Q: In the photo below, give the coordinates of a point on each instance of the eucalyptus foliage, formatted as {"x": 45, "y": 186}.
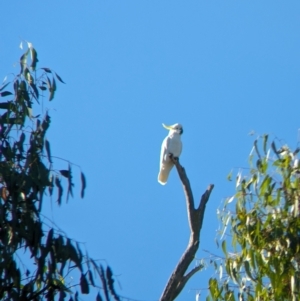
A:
{"x": 261, "y": 229}
{"x": 27, "y": 175}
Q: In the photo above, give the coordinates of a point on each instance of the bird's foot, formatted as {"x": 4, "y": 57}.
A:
{"x": 171, "y": 156}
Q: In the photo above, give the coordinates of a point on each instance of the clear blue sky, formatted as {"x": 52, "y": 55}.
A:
{"x": 220, "y": 68}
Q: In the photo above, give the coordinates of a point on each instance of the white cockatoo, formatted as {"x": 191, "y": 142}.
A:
{"x": 171, "y": 145}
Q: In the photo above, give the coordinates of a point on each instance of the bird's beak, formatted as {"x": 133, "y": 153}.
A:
{"x": 168, "y": 127}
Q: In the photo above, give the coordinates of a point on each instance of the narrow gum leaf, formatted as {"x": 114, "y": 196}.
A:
{"x": 4, "y": 86}
{"x": 98, "y": 297}
{"x": 48, "y": 150}
{"x": 60, "y": 190}
{"x": 256, "y": 148}
{"x": 83, "y": 184}
{"x": 70, "y": 183}
{"x": 34, "y": 58}
{"x": 65, "y": 173}
{"x": 48, "y": 70}
{"x": 265, "y": 143}
{"x": 5, "y": 93}
{"x": 84, "y": 285}
{"x": 23, "y": 60}
{"x": 59, "y": 78}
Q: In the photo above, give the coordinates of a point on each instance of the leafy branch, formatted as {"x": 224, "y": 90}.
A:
{"x": 26, "y": 173}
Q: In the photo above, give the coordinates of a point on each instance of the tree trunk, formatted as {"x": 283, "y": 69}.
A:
{"x": 179, "y": 277}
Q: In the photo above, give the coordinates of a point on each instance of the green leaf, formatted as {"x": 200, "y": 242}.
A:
{"x": 103, "y": 280}
{"x": 28, "y": 76}
{"x": 296, "y": 151}
{"x": 29, "y": 112}
{"x": 36, "y": 91}
{"x": 23, "y": 61}
{"x": 91, "y": 278}
{"x": 34, "y": 58}
{"x": 10, "y": 234}
{"x": 59, "y": 78}
{"x": 264, "y": 185}
{"x": 247, "y": 269}
{"x": 14, "y": 121}
{"x": 224, "y": 247}
{"x": 47, "y": 146}
{"x": 256, "y": 148}
{"x": 229, "y": 200}
{"x": 21, "y": 141}
{"x": 74, "y": 255}
{"x": 84, "y": 285}
{"x": 62, "y": 295}
{"x": 49, "y": 239}
{"x": 59, "y": 243}
{"x": 45, "y": 124}
{"x": 43, "y": 88}
{"x": 83, "y": 184}
{"x": 65, "y": 173}
{"x": 229, "y": 176}
{"x": 258, "y": 164}
{"x": 274, "y": 148}
{"x": 79, "y": 252}
{"x": 16, "y": 86}
{"x": 70, "y": 183}
{"x": 98, "y": 297}
{"x": 5, "y": 93}
{"x": 213, "y": 287}
{"x": 41, "y": 176}
{"x": 52, "y": 89}
{"x": 4, "y": 86}
{"x": 48, "y": 70}
{"x": 5, "y": 117}
{"x": 60, "y": 190}
{"x": 265, "y": 137}
{"x": 264, "y": 165}
{"x": 110, "y": 283}
{"x": 5, "y": 105}
{"x": 220, "y": 271}
{"x": 53, "y": 84}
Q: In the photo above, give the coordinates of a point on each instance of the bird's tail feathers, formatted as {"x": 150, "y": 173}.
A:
{"x": 164, "y": 174}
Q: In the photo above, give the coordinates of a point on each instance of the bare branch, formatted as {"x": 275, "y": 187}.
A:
{"x": 186, "y": 279}
{"x": 178, "y": 279}
{"x": 185, "y": 182}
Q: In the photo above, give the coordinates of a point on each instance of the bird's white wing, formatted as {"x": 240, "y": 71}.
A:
{"x": 165, "y": 163}
{"x": 171, "y": 145}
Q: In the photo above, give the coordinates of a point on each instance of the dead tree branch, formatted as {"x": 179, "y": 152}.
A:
{"x": 180, "y": 276}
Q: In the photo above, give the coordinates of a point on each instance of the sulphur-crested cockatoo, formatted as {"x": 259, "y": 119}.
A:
{"x": 171, "y": 145}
